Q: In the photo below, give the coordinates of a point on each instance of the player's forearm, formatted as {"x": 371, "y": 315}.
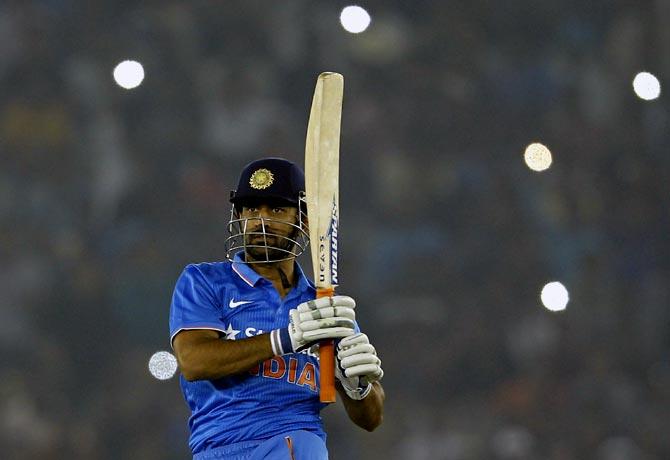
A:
{"x": 216, "y": 358}
{"x": 367, "y": 413}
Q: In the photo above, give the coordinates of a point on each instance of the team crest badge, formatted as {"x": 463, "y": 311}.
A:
{"x": 261, "y": 179}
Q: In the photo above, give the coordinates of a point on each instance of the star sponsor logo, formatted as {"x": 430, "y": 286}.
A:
{"x": 234, "y": 304}
{"x": 230, "y": 332}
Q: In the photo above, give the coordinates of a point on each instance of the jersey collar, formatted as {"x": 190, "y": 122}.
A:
{"x": 244, "y": 271}
{"x": 252, "y": 278}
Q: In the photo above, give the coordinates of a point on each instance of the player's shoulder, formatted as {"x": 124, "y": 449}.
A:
{"x": 208, "y": 270}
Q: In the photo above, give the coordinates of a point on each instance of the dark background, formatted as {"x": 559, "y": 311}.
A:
{"x": 446, "y": 236}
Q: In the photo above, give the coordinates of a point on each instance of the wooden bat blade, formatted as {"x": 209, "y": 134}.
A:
{"x": 322, "y": 156}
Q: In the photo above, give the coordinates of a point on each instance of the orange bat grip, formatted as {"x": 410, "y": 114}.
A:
{"x": 326, "y": 359}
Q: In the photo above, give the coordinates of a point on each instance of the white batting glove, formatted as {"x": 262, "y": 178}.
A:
{"x": 357, "y": 365}
{"x": 315, "y": 320}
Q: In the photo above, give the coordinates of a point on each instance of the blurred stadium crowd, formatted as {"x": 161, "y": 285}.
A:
{"x": 447, "y": 237}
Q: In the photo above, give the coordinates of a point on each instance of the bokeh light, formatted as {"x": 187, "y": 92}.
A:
{"x": 537, "y": 157}
{"x": 354, "y": 19}
{"x": 646, "y": 86}
{"x": 163, "y": 365}
{"x": 129, "y": 74}
{"x": 554, "y": 296}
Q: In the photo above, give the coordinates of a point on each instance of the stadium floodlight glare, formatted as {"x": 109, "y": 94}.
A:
{"x": 354, "y": 19}
{"x": 646, "y": 86}
{"x": 163, "y": 365}
{"x": 554, "y": 296}
{"x": 129, "y": 74}
{"x": 537, "y": 157}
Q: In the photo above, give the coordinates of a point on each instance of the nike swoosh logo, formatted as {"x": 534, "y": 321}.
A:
{"x": 233, "y": 304}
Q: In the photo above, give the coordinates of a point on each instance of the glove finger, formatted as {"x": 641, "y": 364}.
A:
{"x": 328, "y": 312}
{"x": 327, "y": 323}
{"x": 344, "y": 301}
{"x": 325, "y": 302}
{"x": 330, "y": 333}
{"x": 314, "y": 304}
{"x": 355, "y": 339}
{"x": 360, "y": 359}
{"x": 372, "y": 378}
{"x": 370, "y": 371}
{"x": 365, "y": 348}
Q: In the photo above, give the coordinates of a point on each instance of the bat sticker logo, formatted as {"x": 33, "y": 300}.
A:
{"x": 333, "y": 243}
{"x": 332, "y": 235}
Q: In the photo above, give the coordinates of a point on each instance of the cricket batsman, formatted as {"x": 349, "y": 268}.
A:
{"x": 245, "y": 332}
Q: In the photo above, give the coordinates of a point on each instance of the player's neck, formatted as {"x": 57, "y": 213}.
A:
{"x": 280, "y": 274}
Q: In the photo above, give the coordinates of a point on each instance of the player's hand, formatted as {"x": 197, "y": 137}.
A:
{"x": 357, "y": 365}
{"x": 315, "y": 320}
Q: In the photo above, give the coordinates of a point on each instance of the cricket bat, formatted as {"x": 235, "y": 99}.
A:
{"x": 322, "y": 156}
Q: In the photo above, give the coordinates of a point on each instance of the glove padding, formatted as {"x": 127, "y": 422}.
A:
{"x": 315, "y": 320}
{"x": 357, "y": 365}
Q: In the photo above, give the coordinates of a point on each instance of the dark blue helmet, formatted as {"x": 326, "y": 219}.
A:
{"x": 269, "y": 180}
{"x": 274, "y": 182}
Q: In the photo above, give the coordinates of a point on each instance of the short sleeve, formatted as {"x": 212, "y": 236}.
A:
{"x": 194, "y": 303}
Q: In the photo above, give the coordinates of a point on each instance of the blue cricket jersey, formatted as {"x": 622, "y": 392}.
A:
{"x": 279, "y": 395}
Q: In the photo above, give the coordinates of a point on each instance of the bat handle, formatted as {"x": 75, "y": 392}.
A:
{"x": 326, "y": 359}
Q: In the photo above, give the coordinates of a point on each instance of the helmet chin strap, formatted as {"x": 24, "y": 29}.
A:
{"x": 284, "y": 279}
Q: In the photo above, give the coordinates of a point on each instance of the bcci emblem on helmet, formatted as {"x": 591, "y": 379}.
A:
{"x": 261, "y": 179}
